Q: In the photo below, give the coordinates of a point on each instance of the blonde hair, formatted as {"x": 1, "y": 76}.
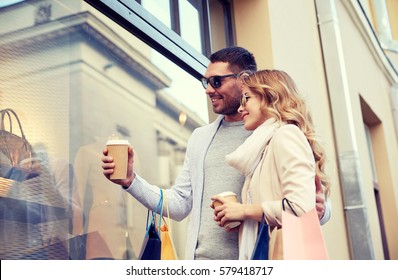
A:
{"x": 283, "y": 102}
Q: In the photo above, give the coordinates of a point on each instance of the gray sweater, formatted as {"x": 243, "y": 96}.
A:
{"x": 213, "y": 241}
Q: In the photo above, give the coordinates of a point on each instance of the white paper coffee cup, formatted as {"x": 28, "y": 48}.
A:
{"x": 118, "y": 149}
{"x": 231, "y": 196}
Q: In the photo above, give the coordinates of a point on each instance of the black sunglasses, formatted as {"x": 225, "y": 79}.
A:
{"x": 215, "y": 81}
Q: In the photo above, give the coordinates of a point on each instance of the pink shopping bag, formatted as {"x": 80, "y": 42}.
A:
{"x": 302, "y": 237}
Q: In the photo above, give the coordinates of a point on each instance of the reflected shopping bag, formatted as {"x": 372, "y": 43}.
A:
{"x": 302, "y": 236}
{"x": 151, "y": 246}
{"x": 260, "y": 251}
{"x": 168, "y": 251}
{"x": 78, "y": 245}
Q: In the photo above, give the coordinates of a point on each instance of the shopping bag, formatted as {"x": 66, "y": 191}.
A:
{"x": 260, "y": 251}
{"x": 275, "y": 245}
{"x": 151, "y": 246}
{"x": 168, "y": 251}
{"x": 302, "y": 236}
{"x": 77, "y": 247}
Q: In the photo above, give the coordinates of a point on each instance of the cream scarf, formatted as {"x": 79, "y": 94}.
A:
{"x": 247, "y": 156}
{"x": 245, "y": 159}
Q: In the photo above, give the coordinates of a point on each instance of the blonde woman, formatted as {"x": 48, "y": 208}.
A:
{"x": 281, "y": 159}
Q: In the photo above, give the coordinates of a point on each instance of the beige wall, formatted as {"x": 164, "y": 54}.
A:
{"x": 289, "y": 33}
{"x": 360, "y": 69}
{"x": 283, "y": 34}
{"x": 368, "y": 78}
{"x": 252, "y": 29}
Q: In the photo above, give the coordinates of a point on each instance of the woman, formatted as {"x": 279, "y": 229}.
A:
{"x": 281, "y": 159}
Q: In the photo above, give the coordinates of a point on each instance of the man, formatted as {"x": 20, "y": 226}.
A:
{"x": 205, "y": 172}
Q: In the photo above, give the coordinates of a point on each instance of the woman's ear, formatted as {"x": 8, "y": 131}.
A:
{"x": 264, "y": 103}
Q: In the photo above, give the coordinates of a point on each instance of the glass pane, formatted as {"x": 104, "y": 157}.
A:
{"x": 73, "y": 78}
{"x": 9, "y": 2}
{"x": 160, "y": 9}
{"x": 217, "y": 25}
{"x": 190, "y": 24}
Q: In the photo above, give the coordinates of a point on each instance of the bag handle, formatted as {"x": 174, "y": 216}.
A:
{"x": 159, "y": 209}
{"x": 2, "y": 126}
{"x": 168, "y": 223}
{"x": 4, "y": 141}
{"x": 288, "y": 203}
{"x": 7, "y": 112}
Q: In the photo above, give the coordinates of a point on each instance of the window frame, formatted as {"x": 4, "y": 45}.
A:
{"x": 135, "y": 19}
{"x": 228, "y": 22}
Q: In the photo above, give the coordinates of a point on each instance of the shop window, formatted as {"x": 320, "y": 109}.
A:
{"x": 74, "y": 78}
{"x": 205, "y": 25}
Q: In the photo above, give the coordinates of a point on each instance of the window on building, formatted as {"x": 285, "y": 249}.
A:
{"x": 205, "y": 25}
{"x": 372, "y": 127}
{"x": 376, "y": 189}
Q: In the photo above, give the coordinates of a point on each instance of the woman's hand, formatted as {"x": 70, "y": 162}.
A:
{"x": 227, "y": 211}
{"x": 320, "y": 198}
{"x": 320, "y": 204}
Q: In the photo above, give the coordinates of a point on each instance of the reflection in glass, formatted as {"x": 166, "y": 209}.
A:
{"x": 74, "y": 78}
{"x": 160, "y": 9}
{"x": 190, "y": 24}
{"x": 9, "y": 2}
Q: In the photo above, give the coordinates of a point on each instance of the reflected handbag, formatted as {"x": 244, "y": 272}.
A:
{"x": 302, "y": 236}
{"x": 168, "y": 251}
{"x": 260, "y": 251}
{"x": 151, "y": 246}
{"x": 15, "y": 151}
{"x": 19, "y": 174}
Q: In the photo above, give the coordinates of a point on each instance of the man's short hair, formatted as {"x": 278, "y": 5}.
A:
{"x": 238, "y": 58}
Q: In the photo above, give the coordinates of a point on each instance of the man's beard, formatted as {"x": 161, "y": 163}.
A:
{"x": 228, "y": 109}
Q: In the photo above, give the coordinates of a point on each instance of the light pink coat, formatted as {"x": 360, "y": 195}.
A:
{"x": 287, "y": 169}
